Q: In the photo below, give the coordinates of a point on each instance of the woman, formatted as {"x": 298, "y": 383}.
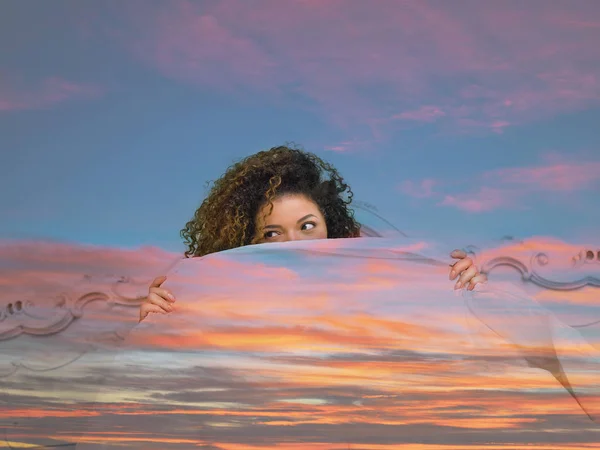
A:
{"x": 282, "y": 194}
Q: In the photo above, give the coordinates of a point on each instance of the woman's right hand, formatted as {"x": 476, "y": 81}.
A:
{"x": 159, "y": 300}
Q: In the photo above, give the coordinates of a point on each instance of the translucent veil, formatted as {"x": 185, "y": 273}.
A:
{"x": 341, "y": 343}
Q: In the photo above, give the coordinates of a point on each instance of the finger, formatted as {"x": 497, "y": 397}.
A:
{"x": 479, "y": 279}
{"x": 458, "y": 253}
{"x": 159, "y": 301}
{"x": 460, "y": 266}
{"x": 158, "y": 281}
{"x": 147, "y": 308}
{"x": 466, "y": 276}
{"x": 162, "y": 292}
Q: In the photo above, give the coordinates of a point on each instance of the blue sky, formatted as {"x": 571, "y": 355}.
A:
{"x": 462, "y": 123}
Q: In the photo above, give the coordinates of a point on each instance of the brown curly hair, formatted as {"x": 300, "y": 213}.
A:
{"x": 226, "y": 218}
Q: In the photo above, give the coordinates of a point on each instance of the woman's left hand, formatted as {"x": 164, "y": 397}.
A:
{"x": 469, "y": 275}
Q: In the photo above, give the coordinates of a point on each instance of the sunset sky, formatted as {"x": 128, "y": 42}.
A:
{"x": 460, "y": 120}
{"x": 331, "y": 344}
{"x": 457, "y": 122}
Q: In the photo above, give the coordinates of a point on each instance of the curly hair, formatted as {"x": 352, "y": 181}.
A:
{"x": 226, "y": 218}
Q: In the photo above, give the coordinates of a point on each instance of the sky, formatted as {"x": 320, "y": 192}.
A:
{"x": 463, "y": 121}
{"x": 456, "y": 122}
{"x": 329, "y": 344}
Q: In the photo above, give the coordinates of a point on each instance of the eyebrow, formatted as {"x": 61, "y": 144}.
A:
{"x": 302, "y": 219}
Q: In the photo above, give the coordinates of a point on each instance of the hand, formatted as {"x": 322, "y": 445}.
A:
{"x": 159, "y": 300}
{"x": 469, "y": 275}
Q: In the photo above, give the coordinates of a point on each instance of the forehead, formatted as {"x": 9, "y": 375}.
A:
{"x": 290, "y": 208}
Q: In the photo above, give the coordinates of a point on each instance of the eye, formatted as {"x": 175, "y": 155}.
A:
{"x": 308, "y": 226}
{"x": 270, "y": 234}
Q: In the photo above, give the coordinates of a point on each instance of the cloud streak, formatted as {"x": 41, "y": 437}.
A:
{"x": 508, "y": 188}
{"x": 49, "y": 92}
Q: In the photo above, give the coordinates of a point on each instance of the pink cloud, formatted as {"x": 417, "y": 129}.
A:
{"x": 564, "y": 177}
{"x": 509, "y": 188}
{"x": 49, "y": 92}
{"x": 504, "y": 66}
{"x": 498, "y": 126}
{"x": 423, "y": 189}
{"x": 339, "y": 148}
{"x": 195, "y": 46}
{"x": 423, "y": 114}
{"x": 32, "y": 267}
{"x": 484, "y": 200}
{"x": 348, "y": 146}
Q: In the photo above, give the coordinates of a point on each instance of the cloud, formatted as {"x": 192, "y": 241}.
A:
{"x": 423, "y": 114}
{"x": 484, "y": 200}
{"x": 190, "y": 44}
{"x": 561, "y": 177}
{"x": 309, "y": 349}
{"x": 509, "y": 188}
{"x": 33, "y": 267}
{"x": 422, "y": 189}
{"x": 350, "y": 146}
{"x": 49, "y": 92}
{"x": 471, "y": 68}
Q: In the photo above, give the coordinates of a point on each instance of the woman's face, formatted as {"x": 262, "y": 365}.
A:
{"x": 294, "y": 218}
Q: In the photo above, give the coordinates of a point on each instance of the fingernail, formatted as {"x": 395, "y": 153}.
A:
{"x": 171, "y": 297}
{"x": 452, "y": 274}
{"x": 458, "y": 285}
